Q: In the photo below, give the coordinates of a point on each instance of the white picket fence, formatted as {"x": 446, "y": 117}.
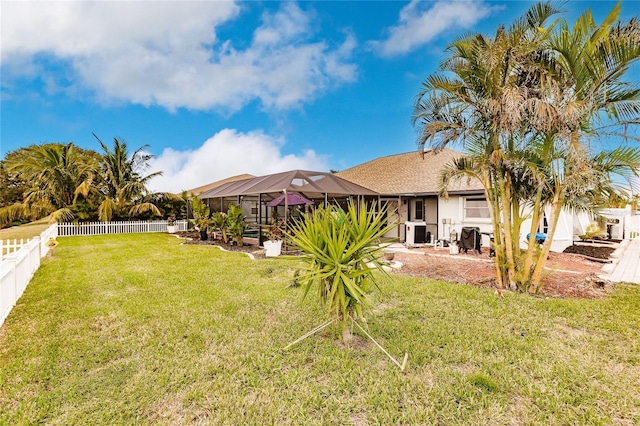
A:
{"x": 19, "y": 260}
{"x": 7, "y": 246}
{"x": 18, "y": 263}
{"x": 103, "y": 228}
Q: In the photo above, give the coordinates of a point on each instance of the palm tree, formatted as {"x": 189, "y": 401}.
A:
{"x": 521, "y": 102}
{"x": 54, "y": 173}
{"x": 121, "y": 186}
{"x": 480, "y": 98}
{"x": 587, "y": 97}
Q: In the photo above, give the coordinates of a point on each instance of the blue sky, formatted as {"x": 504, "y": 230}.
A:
{"x": 217, "y": 89}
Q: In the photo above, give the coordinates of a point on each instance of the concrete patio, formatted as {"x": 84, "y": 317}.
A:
{"x": 626, "y": 263}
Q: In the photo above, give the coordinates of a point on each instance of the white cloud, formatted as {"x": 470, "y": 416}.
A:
{"x": 168, "y": 53}
{"x": 420, "y": 22}
{"x": 225, "y": 154}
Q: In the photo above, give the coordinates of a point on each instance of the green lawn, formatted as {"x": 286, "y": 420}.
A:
{"x": 138, "y": 329}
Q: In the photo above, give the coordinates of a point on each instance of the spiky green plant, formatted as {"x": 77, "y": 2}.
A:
{"x": 235, "y": 219}
{"x": 201, "y": 216}
{"x": 221, "y": 223}
{"x": 340, "y": 254}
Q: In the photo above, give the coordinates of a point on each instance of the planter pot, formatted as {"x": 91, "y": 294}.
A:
{"x": 172, "y": 229}
{"x": 203, "y": 235}
{"x": 272, "y": 248}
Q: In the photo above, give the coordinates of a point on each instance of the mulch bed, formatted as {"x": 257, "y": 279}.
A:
{"x": 597, "y": 252}
{"x": 193, "y": 237}
{"x": 569, "y": 274}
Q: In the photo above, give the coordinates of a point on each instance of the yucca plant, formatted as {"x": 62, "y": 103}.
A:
{"x": 340, "y": 255}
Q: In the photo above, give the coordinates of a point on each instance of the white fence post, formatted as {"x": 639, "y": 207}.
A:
{"x": 18, "y": 263}
{"x": 7, "y": 286}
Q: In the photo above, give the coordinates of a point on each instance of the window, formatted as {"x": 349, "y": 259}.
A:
{"x": 419, "y": 210}
{"x": 476, "y": 208}
{"x": 544, "y": 225}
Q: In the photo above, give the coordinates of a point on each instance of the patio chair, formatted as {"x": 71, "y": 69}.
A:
{"x": 470, "y": 239}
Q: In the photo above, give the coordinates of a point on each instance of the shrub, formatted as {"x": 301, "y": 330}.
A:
{"x": 340, "y": 255}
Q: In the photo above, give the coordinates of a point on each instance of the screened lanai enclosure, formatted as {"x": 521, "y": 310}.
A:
{"x": 294, "y": 193}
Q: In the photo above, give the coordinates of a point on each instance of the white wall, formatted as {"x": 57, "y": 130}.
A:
{"x": 393, "y": 218}
{"x": 624, "y": 217}
{"x": 562, "y": 238}
{"x": 581, "y": 221}
{"x": 453, "y": 209}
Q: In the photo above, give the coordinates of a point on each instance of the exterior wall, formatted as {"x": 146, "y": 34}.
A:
{"x": 569, "y": 225}
{"x": 452, "y": 212}
{"x": 393, "y": 218}
{"x": 404, "y": 215}
{"x": 431, "y": 217}
{"x": 563, "y": 236}
{"x": 628, "y": 225}
{"x": 581, "y": 221}
{"x": 619, "y": 230}
{"x": 453, "y": 209}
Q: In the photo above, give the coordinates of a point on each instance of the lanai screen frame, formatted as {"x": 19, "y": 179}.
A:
{"x": 320, "y": 187}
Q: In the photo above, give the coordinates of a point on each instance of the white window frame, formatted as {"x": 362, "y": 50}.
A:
{"x": 465, "y": 210}
{"x": 416, "y": 202}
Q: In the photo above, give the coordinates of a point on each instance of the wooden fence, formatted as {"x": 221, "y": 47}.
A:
{"x": 102, "y": 228}
{"x": 18, "y": 262}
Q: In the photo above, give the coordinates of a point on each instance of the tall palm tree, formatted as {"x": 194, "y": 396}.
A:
{"x": 522, "y": 101}
{"x": 480, "y": 99}
{"x": 589, "y": 99}
{"x": 122, "y": 186}
{"x": 54, "y": 172}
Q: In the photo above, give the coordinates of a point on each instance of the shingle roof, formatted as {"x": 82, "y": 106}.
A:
{"x": 409, "y": 174}
{"x": 208, "y": 187}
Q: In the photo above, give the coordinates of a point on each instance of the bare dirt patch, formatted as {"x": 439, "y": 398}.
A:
{"x": 567, "y": 274}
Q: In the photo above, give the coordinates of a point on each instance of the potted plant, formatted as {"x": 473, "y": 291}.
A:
{"x": 273, "y": 247}
{"x": 203, "y": 224}
{"x": 221, "y": 224}
{"x": 171, "y": 224}
{"x": 201, "y": 217}
{"x": 236, "y": 223}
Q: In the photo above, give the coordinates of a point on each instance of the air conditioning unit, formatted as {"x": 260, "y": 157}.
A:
{"x": 416, "y": 233}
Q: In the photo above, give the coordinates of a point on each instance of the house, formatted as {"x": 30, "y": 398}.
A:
{"x": 208, "y": 187}
{"x": 409, "y": 183}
